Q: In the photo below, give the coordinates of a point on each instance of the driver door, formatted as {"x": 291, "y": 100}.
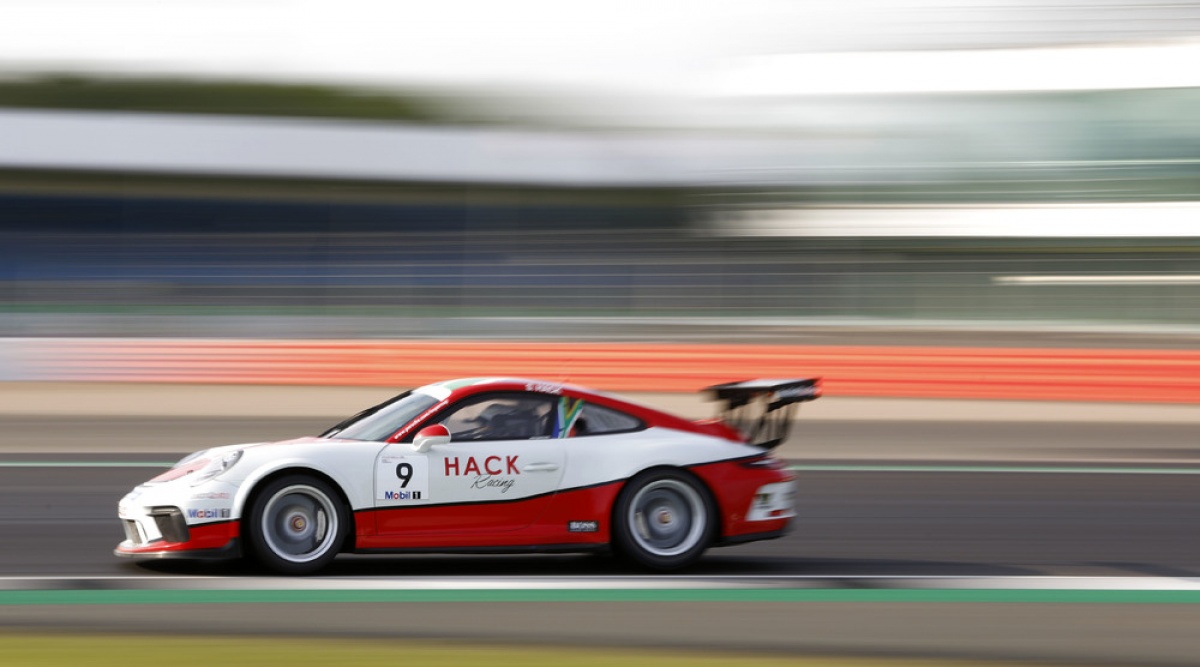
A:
{"x": 498, "y": 474}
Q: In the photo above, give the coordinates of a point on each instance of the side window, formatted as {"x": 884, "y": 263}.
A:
{"x": 598, "y": 420}
{"x": 511, "y": 416}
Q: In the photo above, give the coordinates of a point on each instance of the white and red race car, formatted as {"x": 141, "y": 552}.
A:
{"x": 485, "y": 465}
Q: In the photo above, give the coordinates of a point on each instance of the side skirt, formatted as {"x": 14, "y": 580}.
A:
{"x": 521, "y": 549}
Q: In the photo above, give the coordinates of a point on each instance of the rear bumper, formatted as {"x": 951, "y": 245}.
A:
{"x": 756, "y": 503}
{"x": 753, "y": 537}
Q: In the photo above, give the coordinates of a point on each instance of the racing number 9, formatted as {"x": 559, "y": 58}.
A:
{"x": 405, "y": 472}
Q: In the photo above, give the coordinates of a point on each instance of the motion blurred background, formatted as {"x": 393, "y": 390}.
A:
{"x": 382, "y": 169}
{"x": 917, "y": 199}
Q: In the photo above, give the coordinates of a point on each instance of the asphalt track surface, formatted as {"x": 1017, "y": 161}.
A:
{"x": 61, "y": 521}
{"x": 1129, "y": 508}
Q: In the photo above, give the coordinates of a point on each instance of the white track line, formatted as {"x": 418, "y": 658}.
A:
{"x": 922, "y": 582}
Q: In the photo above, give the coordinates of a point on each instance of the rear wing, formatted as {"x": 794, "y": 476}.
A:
{"x": 762, "y": 410}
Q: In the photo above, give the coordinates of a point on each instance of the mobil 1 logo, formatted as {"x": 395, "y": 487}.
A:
{"x": 401, "y": 480}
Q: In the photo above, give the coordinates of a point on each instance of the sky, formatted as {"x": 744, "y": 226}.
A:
{"x": 632, "y": 43}
{"x": 670, "y": 48}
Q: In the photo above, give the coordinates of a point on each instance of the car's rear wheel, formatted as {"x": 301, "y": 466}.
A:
{"x": 663, "y": 520}
{"x": 296, "y": 525}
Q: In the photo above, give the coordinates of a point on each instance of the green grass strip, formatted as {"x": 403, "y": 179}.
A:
{"x": 71, "y": 650}
{"x": 116, "y": 597}
{"x": 167, "y": 95}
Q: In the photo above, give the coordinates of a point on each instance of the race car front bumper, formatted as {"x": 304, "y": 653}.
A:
{"x": 154, "y": 529}
{"x": 163, "y": 534}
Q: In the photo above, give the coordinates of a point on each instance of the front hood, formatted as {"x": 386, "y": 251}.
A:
{"x": 225, "y": 449}
{"x": 306, "y": 440}
{"x": 202, "y": 461}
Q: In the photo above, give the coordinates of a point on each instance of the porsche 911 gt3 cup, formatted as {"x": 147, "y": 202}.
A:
{"x": 485, "y": 465}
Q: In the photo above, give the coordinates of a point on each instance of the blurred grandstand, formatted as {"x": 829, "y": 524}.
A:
{"x": 134, "y": 207}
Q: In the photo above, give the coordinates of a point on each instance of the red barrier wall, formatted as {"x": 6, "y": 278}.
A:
{"x": 992, "y": 373}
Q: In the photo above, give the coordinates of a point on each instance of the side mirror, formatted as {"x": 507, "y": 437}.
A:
{"x": 429, "y": 436}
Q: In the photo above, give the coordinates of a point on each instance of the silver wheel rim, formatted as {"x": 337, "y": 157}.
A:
{"x": 299, "y": 523}
{"x": 667, "y": 517}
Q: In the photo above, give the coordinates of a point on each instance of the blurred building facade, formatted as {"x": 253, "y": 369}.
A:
{"x": 108, "y": 218}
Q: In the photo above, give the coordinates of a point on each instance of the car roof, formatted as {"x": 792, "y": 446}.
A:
{"x": 460, "y": 388}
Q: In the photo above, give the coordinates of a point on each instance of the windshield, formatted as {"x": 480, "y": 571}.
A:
{"x": 381, "y": 421}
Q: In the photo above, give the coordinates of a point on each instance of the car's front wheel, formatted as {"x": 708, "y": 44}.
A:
{"x": 663, "y": 520}
{"x": 296, "y": 525}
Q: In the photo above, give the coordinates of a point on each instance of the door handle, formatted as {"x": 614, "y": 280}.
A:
{"x": 540, "y": 467}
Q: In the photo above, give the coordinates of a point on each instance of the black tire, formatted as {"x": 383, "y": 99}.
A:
{"x": 664, "y": 519}
{"x": 296, "y": 525}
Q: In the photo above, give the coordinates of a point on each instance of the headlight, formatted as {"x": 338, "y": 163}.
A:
{"x": 215, "y": 467}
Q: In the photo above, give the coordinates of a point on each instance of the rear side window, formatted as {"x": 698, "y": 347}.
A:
{"x": 599, "y": 420}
